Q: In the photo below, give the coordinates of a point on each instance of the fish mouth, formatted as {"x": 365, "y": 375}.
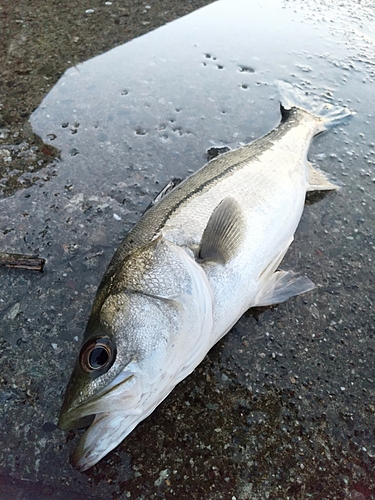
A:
{"x": 109, "y": 416}
{"x": 104, "y": 434}
{"x": 82, "y": 415}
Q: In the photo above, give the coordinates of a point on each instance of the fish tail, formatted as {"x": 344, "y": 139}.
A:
{"x": 329, "y": 114}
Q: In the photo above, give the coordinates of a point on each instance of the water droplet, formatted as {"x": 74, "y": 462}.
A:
{"x": 177, "y": 130}
{"x": 140, "y": 131}
{"x": 246, "y": 69}
{"x": 102, "y": 137}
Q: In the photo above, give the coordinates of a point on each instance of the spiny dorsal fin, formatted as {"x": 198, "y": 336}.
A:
{"x": 166, "y": 189}
{"x": 224, "y": 232}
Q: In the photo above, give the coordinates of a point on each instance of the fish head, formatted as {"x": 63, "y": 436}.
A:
{"x": 144, "y": 335}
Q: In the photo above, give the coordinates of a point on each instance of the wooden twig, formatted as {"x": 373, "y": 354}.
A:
{"x": 19, "y": 261}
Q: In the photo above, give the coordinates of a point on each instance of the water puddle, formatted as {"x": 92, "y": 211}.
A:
{"x": 289, "y": 394}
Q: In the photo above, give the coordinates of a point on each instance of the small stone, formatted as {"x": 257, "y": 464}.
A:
{"x": 12, "y": 314}
{"x": 162, "y": 477}
{"x": 212, "y": 406}
{"x": 4, "y": 133}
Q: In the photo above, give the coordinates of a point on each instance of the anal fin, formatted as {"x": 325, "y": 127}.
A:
{"x": 318, "y": 180}
{"x": 280, "y": 287}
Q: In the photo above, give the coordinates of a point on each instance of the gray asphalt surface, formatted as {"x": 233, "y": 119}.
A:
{"x": 283, "y": 407}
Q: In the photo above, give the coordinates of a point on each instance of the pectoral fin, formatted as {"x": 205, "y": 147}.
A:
{"x": 224, "y": 233}
{"x": 318, "y": 180}
{"x": 280, "y": 287}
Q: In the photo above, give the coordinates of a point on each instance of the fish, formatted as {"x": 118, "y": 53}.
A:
{"x": 204, "y": 253}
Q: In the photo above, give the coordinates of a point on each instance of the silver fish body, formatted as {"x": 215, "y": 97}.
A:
{"x": 195, "y": 262}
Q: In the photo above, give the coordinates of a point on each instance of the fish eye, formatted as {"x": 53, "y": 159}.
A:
{"x": 97, "y": 355}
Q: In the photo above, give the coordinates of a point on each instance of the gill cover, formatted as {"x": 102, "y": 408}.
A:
{"x": 154, "y": 310}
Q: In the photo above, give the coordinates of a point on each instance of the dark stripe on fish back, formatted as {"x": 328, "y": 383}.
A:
{"x": 156, "y": 217}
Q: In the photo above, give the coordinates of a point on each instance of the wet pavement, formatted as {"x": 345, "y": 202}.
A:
{"x": 283, "y": 407}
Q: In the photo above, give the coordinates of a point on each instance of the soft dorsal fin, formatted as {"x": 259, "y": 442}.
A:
{"x": 224, "y": 232}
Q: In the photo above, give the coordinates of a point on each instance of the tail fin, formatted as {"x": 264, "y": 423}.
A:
{"x": 329, "y": 114}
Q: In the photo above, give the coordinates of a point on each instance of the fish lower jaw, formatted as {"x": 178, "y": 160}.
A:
{"x": 104, "y": 434}
{"x": 110, "y": 427}
{"x": 98, "y": 440}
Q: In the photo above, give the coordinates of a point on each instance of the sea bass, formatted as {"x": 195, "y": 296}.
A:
{"x": 195, "y": 262}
